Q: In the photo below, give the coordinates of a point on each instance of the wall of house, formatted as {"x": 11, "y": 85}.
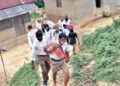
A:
{"x": 83, "y": 8}
{"x": 6, "y": 30}
{"x": 113, "y": 4}
{"x": 52, "y": 9}
{"x": 13, "y": 31}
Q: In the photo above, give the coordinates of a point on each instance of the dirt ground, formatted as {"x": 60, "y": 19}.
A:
{"x": 18, "y": 55}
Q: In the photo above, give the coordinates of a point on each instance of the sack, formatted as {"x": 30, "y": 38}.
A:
{"x": 58, "y": 50}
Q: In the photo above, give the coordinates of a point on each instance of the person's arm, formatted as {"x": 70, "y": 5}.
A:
{"x": 52, "y": 49}
{"x": 67, "y": 53}
{"x": 29, "y": 41}
{"x": 78, "y": 39}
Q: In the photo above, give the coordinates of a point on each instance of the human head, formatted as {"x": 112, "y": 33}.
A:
{"x": 39, "y": 21}
{"x": 70, "y": 26}
{"x": 64, "y": 26}
{"x": 66, "y": 18}
{"x": 62, "y": 38}
{"x": 30, "y": 27}
{"x": 71, "y": 30}
{"x": 46, "y": 27}
{"x": 39, "y": 35}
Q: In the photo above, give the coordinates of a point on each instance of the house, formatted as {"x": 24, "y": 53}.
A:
{"x": 14, "y": 18}
{"x": 80, "y": 9}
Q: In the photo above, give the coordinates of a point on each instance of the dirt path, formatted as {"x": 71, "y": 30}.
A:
{"x": 17, "y": 56}
{"x": 13, "y": 60}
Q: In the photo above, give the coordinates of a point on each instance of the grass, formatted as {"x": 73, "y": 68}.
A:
{"x": 77, "y": 64}
{"x": 104, "y": 45}
{"x": 25, "y": 76}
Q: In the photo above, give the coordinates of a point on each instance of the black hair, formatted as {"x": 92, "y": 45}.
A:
{"x": 64, "y": 25}
{"x": 71, "y": 30}
{"x": 62, "y": 35}
{"x": 47, "y": 26}
{"x": 39, "y": 34}
{"x": 30, "y": 27}
{"x": 66, "y": 18}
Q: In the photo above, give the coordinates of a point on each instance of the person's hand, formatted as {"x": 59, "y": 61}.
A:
{"x": 54, "y": 47}
{"x": 67, "y": 60}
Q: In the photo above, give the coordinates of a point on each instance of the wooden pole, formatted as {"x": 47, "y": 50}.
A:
{"x": 3, "y": 64}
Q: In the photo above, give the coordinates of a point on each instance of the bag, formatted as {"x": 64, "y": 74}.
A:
{"x": 58, "y": 50}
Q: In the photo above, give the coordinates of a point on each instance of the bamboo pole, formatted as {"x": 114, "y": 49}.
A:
{"x": 3, "y": 64}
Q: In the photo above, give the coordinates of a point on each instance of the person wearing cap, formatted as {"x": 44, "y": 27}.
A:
{"x": 42, "y": 57}
{"x": 57, "y": 61}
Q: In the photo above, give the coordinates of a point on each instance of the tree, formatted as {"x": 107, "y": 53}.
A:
{"x": 39, "y": 3}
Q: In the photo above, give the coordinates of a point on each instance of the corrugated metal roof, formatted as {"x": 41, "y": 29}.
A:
{"x": 11, "y": 3}
{"x": 17, "y": 10}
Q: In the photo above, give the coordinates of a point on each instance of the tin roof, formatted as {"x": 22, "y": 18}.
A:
{"x": 17, "y": 10}
{"x": 11, "y": 3}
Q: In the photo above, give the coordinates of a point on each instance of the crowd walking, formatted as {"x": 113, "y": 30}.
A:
{"x": 49, "y": 43}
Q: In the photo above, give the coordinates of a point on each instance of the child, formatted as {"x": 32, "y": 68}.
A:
{"x": 72, "y": 40}
{"x": 59, "y": 62}
{"x": 42, "y": 57}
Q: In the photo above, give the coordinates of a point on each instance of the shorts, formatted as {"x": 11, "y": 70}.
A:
{"x": 56, "y": 65}
{"x": 42, "y": 59}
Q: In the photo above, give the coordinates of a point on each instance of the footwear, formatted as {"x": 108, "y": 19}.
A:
{"x": 44, "y": 83}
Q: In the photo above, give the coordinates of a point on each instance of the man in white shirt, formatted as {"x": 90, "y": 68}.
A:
{"x": 31, "y": 35}
{"x": 49, "y": 23}
{"x": 66, "y": 20}
{"x": 49, "y": 32}
{"x": 60, "y": 24}
{"x": 59, "y": 62}
{"x": 41, "y": 56}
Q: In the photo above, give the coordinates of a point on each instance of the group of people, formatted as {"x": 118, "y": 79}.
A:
{"x": 49, "y": 43}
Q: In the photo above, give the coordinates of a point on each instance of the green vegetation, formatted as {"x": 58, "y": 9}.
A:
{"x": 25, "y": 76}
{"x": 104, "y": 45}
{"x": 39, "y": 3}
{"x": 77, "y": 64}
{"x": 34, "y": 16}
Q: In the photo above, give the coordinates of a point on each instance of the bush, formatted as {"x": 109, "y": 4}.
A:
{"x": 25, "y": 76}
{"x": 105, "y": 44}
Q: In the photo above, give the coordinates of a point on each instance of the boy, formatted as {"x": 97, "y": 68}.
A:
{"x": 41, "y": 56}
{"x": 31, "y": 35}
{"x": 72, "y": 40}
{"x": 59, "y": 62}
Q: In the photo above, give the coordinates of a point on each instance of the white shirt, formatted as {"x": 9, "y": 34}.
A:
{"x": 38, "y": 48}
{"x": 60, "y": 23}
{"x": 65, "y": 48}
{"x": 50, "y": 23}
{"x": 67, "y": 23}
{"x": 31, "y": 37}
{"x": 66, "y": 31}
{"x": 51, "y": 34}
{"x": 38, "y": 25}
